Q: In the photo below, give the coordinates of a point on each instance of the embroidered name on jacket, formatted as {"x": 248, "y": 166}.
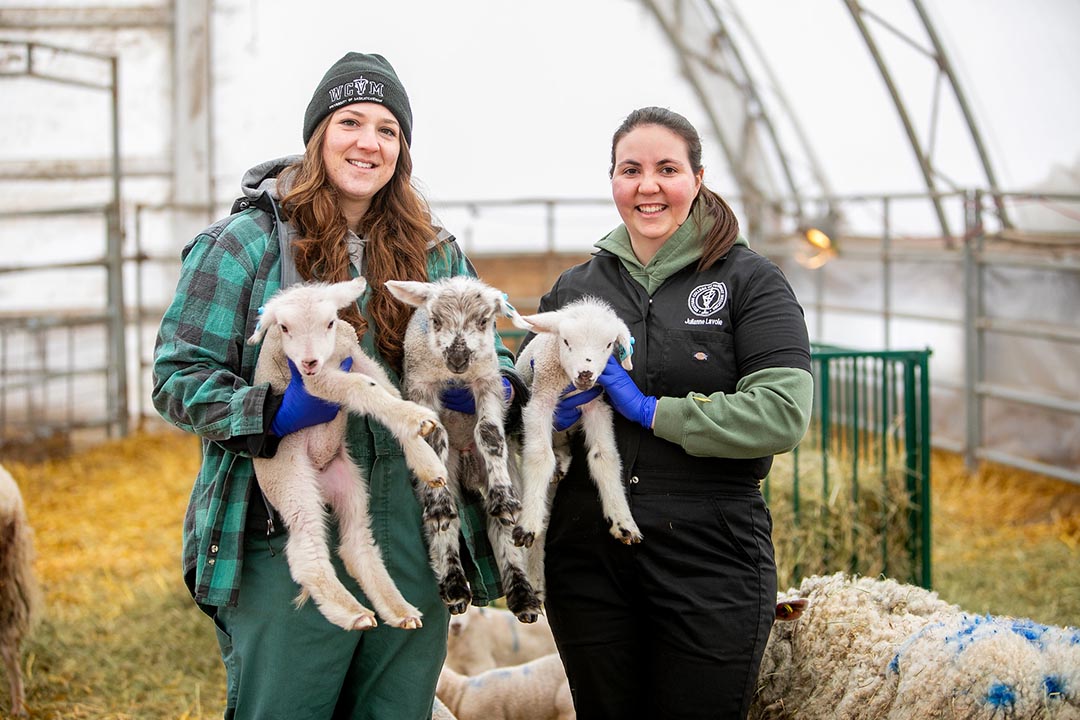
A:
{"x": 705, "y": 301}
{"x": 359, "y": 88}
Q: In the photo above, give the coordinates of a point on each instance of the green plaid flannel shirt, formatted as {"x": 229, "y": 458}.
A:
{"x": 203, "y": 369}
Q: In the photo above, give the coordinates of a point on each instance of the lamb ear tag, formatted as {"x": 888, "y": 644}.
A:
{"x": 508, "y": 309}
{"x": 621, "y": 351}
{"x": 258, "y": 323}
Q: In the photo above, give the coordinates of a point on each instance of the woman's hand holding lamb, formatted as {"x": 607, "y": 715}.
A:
{"x": 299, "y": 409}
{"x": 459, "y": 398}
{"x": 625, "y": 396}
{"x": 568, "y": 410}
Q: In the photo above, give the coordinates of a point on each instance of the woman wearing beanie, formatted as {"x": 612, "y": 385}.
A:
{"x": 346, "y": 207}
{"x": 675, "y": 626}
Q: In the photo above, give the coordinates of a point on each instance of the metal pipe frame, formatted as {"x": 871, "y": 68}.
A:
{"x": 117, "y": 378}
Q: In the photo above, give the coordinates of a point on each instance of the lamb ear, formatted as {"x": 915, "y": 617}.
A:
{"x": 511, "y": 312}
{"x": 345, "y": 293}
{"x": 409, "y": 292}
{"x": 546, "y": 322}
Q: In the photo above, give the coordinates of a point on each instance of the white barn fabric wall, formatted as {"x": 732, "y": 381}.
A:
{"x": 519, "y": 103}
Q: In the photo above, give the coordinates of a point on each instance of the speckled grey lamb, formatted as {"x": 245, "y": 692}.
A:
{"x": 450, "y": 339}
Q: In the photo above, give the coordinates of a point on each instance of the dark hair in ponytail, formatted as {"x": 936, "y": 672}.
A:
{"x": 725, "y": 229}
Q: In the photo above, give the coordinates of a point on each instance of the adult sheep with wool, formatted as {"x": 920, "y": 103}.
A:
{"x": 20, "y": 595}
{"x": 867, "y": 648}
{"x": 536, "y": 690}
{"x": 486, "y": 638}
{"x": 301, "y": 332}
{"x": 450, "y": 341}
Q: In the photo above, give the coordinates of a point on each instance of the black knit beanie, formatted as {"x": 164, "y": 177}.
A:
{"x": 359, "y": 78}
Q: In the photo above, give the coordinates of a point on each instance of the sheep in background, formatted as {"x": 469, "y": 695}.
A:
{"x": 536, "y": 690}
{"x": 866, "y": 648}
{"x": 486, "y": 638}
{"x": 312, "y": 467}
{"x": 450, "y": 339}
{"x": 20, "y": 596}
{"x": 439, "y": 711}
{"x": 572, "y": 346}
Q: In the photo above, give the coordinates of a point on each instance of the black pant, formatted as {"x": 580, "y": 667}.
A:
{"x": 676, "y": 626}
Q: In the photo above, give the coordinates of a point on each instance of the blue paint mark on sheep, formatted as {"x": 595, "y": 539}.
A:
{"x": 968, "y": 626}
{"x": 1001, "y": 695}
{"x": 1054, "y": 685}
{"x": 515, "y": 646}
{"x": 1030, "y": 630}
{"x": 894, "y": 664}
{"x": 476, "y": 682}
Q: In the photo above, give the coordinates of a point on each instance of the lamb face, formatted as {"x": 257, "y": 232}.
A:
{"x": 307, "y": 321}
{"x": 588, "y": 332}
{"x": 461, "y": 328}
{"x": 584, "y": 349}
{"x": 460, "y": 314}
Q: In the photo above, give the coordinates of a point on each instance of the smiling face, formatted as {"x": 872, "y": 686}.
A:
{"x": 360, "y": 152}
{"x": 653, "y": 185}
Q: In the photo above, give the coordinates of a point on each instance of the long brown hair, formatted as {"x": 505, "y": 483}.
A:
{"x": 725, "y": 228}
{"x": 397, "y": 228}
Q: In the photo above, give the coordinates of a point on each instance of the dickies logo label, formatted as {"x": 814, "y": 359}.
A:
{"x": 707, "y": 300}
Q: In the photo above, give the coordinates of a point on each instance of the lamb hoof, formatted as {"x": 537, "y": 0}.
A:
{"x": 436, "y": 482}
{"x": 625, "y": 535}
{"x": 427, "y": 427}
{"x": 411, "y": 623}
{"x": 522, "y": 538}
{"x": 526, "y": 611}
{"x": 364, "y": 622}
{"x": 455, "y": 593}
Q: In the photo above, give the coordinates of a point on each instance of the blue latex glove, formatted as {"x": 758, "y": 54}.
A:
{"x": 568, "y": 411}
{"x": 299, "y": 409}
{"x": 460, "y": 398}
{"x": 631, "y": 403}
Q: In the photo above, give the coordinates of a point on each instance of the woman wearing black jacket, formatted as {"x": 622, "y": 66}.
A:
{"x": 675, "y": 627}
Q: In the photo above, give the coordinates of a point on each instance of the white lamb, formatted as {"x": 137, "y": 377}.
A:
{"x": 450, "y": 339}
{"x": 486, "y": 638}
{"x": 866, "y": 648}
{"x": 536, "y": 690}
{"x": 572, "y": 345}
{"x": 312, "y": 467}
{"x": 20, "y": 595}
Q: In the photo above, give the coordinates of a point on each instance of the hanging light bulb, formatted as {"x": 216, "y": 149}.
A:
{"x": 817, "y": 238}
{"x": 818, "y": 234}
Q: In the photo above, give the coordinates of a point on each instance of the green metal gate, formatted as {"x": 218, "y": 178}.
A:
{"x": 855, "y": 495}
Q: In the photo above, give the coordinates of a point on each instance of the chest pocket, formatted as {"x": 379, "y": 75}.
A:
{"x": 698, "y": 361}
